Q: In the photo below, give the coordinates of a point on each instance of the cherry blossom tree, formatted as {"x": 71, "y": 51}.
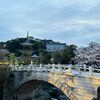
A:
{"x": 89, "y": 54}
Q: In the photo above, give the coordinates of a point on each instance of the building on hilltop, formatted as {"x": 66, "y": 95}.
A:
{"x": 26, "y": 51}
{"x": 55, "y": 46}
{"x": 28, "y": 54}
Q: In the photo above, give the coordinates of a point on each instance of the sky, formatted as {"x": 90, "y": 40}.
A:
{"x": 69, "y": 21}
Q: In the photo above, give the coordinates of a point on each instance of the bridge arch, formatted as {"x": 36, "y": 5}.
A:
{"x": 42, "y": 88}
{"x": 48, "y": 78}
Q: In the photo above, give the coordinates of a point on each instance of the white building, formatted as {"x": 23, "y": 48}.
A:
{"x": 52, "y": 47}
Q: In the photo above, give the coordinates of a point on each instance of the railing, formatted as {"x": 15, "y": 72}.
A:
{"x": 58, "y": 68}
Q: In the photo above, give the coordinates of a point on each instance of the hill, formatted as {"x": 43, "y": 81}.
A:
{"x": 64, "y": 55}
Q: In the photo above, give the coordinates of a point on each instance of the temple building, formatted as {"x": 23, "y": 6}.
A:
{"x": 55, "y": 46}
{"x": 27, "y": 51}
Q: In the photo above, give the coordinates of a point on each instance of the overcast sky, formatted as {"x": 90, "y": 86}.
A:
{"x": 70, "y": 21}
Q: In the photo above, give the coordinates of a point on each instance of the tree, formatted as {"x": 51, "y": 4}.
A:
{"x": 13, "y": 59}
{"x": 88, "y": 55}
{"x": 68, "y": 54}
{"x": 45, "y": 57}
{"x": 64, "y": 56}
{"x": 4, "y": 73}
{"x": 57, "y": 57}
{"x": 14, "y": 46}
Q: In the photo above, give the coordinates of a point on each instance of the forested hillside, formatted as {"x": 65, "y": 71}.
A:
{"x": 39, "y": 48}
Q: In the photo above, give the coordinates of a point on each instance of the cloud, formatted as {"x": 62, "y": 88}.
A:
{"x": 69, "y": 21}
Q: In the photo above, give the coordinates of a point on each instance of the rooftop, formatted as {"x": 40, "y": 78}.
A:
{"x": 27, "y": 43}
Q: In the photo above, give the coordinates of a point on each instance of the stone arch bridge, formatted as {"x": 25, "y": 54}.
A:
{"x": 77, "y": 83}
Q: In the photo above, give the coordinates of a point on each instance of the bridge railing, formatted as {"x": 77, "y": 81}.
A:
{"x": 58, "y": 68}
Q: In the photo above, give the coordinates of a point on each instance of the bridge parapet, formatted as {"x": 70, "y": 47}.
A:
{"x": 86, "y": 71}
